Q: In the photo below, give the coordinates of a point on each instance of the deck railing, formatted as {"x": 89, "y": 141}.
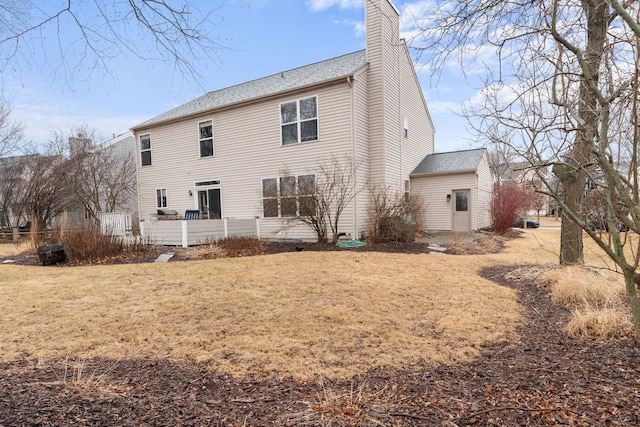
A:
{"x": 197, "y": 232}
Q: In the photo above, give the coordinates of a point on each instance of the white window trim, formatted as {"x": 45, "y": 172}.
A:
{"x": 213, "y": 140}
{"x": 140, "y": 150}
{"x": 298, "y": 121}
{"x": 166, "y": 198}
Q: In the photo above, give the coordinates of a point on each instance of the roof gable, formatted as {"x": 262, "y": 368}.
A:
{"x": 451, "y": 162}
{"x": 317, "y": 73}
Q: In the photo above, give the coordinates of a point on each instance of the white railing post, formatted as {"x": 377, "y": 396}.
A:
{"x": 258, "y": 227}
{"x": 142, "y": 232}
{"x": 185, "y": 234}
{"x": 226, "y": 229}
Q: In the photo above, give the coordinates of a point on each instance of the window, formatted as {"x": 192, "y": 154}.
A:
{"x": 145, "y": 149}
{"x": 161, "y": 197}
{"x": 462, "y": 201}
{"x": 289, "y": 196}
{"x": 206, "y": 138}
{"x": 270, "y": 197}
{"x": 299, "y": 121}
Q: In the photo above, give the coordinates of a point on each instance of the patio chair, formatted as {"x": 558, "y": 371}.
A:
{"x": 192, "y": 214}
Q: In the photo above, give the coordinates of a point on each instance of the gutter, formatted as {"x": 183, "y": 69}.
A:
{"x": 455, "y": 172}
{"x": 244, "y": 102}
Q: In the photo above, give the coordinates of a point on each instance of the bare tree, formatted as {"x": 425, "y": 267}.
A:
{"x": 563, "y": 94}
{"x": 97, "y": 31}
{"x": 11, "y": 131}
{"x": 100, "y": 178}
{"x": 323, "y": 195}
{"x": 44, "y": 197}
{"x": 13, "y": 171}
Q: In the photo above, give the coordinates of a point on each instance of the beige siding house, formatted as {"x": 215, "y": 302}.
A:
{"x": 456, "y": 188}
{"x": 234, "y": 153}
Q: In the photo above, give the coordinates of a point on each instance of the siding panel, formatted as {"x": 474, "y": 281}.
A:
{"x": 247, "y": 149}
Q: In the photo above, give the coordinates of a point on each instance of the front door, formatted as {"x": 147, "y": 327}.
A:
{"x": 209, "y": 203}
{"x": 461, "y": 212}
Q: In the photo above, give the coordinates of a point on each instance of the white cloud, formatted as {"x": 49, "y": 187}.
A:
{"x": 318, "y": 5}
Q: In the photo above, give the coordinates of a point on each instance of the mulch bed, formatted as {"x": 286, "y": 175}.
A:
{"x": 545, "y": 379}
{"x": 192, "y": 253}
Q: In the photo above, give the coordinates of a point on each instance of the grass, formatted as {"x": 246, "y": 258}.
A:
{"x": 7, "y": 249}
{"x": 305, "y": 315}
{"x": 301, "y": 314}
{"x": 596, "y": 299}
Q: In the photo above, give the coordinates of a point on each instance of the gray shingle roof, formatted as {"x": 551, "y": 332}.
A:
{"x": 450, "y": 162}
{"x": 341, "y": 66}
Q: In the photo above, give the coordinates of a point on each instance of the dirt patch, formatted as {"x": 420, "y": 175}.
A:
{"x": 545, "y": 379}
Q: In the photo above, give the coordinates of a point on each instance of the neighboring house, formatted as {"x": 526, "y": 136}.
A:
{"x": 102, "y": 179}
{"x": 225, "y": 153}
{"x": 456, "y": 188}
{"x": 124, "y": 147}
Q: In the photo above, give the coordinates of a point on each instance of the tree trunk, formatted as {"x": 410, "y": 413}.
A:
{"x": 631, "y": 286}
{"x": 573, "y": 183}
{"x": 573, "y": 177}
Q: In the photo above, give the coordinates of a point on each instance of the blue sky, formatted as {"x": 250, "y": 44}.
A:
{"x": 261, "y": 37}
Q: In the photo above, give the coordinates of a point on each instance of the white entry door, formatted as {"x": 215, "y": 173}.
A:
{"x": 461, "y": 212}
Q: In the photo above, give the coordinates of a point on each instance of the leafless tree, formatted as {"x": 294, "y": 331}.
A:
{"x": 323, "y": 199}
{"x": 11, "y": 131}
{"x": 13, "y": 171}
{"x": 97, "y": 31}
{"x": 100, "y": 178}
{"x": 44, "y": 197}
{"x": 563, "y": 93}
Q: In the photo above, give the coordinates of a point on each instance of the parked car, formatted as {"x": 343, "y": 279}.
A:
{"x": 531, "y": 223}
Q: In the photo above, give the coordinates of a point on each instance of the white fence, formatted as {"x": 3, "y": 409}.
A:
{"x": 197, "y": 232}
{"x": 116, "y": 224}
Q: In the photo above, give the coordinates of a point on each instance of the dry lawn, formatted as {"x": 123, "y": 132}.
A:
{"x": 303, "y": 314}
{"x": 7, "y": 249}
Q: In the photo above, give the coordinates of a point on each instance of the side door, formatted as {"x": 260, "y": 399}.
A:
{"x": 461, "y": 211}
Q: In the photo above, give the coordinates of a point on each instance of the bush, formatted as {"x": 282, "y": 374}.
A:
{"x": 508, "y": 201}
{"x": 233, "y": 247}
{"x": 393, "y": 218}
{"x": 87, "y": 243}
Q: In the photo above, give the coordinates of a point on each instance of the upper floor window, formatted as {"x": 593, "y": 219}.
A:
{"x": 289, "y": 196}
{"x": 145, "y": 149}
{"x": 206, "y": 138}
{"x": 299, "y": 120}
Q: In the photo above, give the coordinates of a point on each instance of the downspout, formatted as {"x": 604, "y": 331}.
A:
{"x": 400, "y": 129}
{"x": 354, "y": 155}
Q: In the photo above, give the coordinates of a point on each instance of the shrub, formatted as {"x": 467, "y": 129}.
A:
{"x": 393, "y": 217}
{"x": 240, "y": 246}
{"x": 87, "y": 243}
{"x": 509, "y": 200}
